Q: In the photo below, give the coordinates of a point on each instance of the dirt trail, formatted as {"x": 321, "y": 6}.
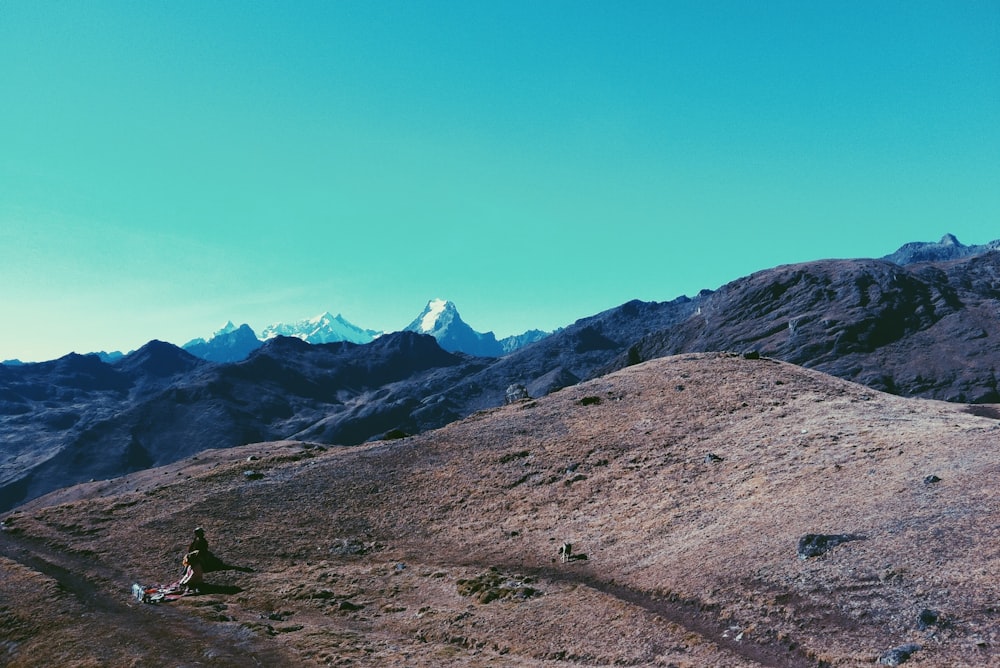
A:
{"x": 162, "y": 635}
{"x": 689, "y": 615}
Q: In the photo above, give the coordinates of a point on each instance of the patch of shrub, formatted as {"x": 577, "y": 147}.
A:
{"x": 511, "y": 456}
{"x": 494, "y": 585}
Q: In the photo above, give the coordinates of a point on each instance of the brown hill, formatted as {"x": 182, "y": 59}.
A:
{"x": 688, "y": 482}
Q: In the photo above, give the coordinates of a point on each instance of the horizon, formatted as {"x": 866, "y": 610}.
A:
{"x": 167, "y": 166}
{"x": 258, "y": 330}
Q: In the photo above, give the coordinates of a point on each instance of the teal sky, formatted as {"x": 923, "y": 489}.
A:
{"x": 168, "y": 166}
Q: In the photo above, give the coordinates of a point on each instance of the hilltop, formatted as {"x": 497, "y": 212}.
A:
{"x": 688, "y": 482}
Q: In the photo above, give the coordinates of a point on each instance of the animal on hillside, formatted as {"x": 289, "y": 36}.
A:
{"x": 566, "y": 552}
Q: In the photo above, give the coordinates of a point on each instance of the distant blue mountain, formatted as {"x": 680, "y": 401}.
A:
{"x": 511, "y": 343}
{"x": 229, "y": 344}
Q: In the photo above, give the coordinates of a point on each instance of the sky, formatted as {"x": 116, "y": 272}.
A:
{"x": 167, "y": 166}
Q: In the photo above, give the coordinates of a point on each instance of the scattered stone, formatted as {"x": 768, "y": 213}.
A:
{"x": 516, "y": 392}
{"x": 353, "y": 546}
{"x": 751, "y": 355}
{"x": 349, "y": 607}
{"x": 276, "y": 616}
{"x": 927, "y": 618}
{"x": 898, "y": 655}
{"x": 712, "y": 458}
{"x": 931, "y": 479}
{"x": 815, "y": 544}
{"x": 252, "y": 475}
{"x": 291, "y": 628}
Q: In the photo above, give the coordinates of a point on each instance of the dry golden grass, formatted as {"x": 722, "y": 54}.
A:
{"x": 360, "y": 554}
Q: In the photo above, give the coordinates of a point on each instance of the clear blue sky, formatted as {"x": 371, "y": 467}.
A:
{"x": 167, "y": 166}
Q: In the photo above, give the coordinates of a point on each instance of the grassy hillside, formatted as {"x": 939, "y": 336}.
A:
{"x": 687, "y": 482}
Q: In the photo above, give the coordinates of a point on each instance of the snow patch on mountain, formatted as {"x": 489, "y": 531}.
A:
{"x": 323, "y": 328}
{"x": 435, "y": 309}
{"x": 441, "y": 320}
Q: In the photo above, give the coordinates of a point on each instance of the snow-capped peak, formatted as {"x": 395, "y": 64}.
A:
{"x": 441, "y": 320}
{"x": 435, "y": 308}
{"x": 228, "y": 328}
{"x": 323, "y": 328}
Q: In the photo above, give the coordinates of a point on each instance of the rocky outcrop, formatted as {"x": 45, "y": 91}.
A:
{"x": 815, "y": 544}
{"x": 949, "y": 248}
{"x": 898, "y": 655}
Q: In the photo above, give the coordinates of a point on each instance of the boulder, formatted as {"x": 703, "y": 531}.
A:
{"x": 815, "y": 544}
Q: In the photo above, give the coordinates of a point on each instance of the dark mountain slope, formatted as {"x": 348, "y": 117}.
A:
{"x": 577, "y": 352}
{"x": 79, "y": 418}
{"x": 929, "y": 330}
{"x": 925, "y": 329}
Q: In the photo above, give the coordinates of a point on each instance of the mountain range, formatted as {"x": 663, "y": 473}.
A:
{"x": 929, "y": 329}
{"x": 439, "y": 318}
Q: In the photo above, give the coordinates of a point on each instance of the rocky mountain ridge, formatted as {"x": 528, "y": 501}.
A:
{"x": 233, "y": 344}
{"x": 927, "y": 329}
{"x": 439, "y": 318}
{"x": 949, "y": 248}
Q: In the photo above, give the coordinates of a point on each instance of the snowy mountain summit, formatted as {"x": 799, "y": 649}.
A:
{"x": 441, "y": 320}
{"x": 325, "y": 328}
